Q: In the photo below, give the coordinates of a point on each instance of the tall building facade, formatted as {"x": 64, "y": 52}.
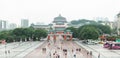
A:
{"x": 118, "y": 23}
{"x": 12, "y": 26}
{"x": 37, "y": 26}
{"x": 3, "y": 24}
{"x": 24, "y": 23}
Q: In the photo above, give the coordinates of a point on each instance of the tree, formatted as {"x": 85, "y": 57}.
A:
{"x": 83, "y": 21}
{"x": 75, "y": 22}
{"x": 88, "y": 32}
{"x": 40, "y": 33}
{"x": 18, "y": 31}
{"x": 28, "y": 32}
{"x": 74, "y": 30}
{"x": 22, "y": 34}
{"x": 103, "y": 28}
{"x": 6, "y": 35}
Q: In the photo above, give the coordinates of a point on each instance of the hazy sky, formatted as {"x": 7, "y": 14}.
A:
{"x": 46, "y": 10}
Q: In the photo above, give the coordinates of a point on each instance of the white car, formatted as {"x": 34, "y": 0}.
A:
{"x": 91, "y": 43}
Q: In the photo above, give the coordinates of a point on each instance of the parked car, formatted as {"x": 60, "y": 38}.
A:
{"x": 106, "y": 45}
{"x": 89, "y": 42}
{"x": 116, "y": 46}
{"x": 101, "y": 42}
{"x": 112, "y": 45}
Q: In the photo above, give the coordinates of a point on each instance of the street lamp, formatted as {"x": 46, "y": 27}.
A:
{"x": 5, "y": 51}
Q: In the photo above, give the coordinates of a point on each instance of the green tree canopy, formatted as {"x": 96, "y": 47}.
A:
{"x": 6, "y": 35}
{"x": 103, "y": 28}
{"x": 22, "y": 34}
{"x": 18, "y": 31}
{"x": 83, "y": 21}
{"x": 40, "y": 33}
{"x": 74, "y": 30}
{"x": 88, "y": 32}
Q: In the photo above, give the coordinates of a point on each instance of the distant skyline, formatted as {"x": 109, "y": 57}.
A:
{"x": 45, "y": 10}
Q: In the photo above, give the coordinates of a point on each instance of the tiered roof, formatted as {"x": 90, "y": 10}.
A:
{"x": 59, "y": 19}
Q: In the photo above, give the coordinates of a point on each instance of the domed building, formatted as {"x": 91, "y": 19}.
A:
{"x": 59, "y": 24}
{"x": 58, "y": 28}
{"x": 60, "y": 19}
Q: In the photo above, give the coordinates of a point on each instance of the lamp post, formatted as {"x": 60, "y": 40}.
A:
{"x": 5, "y": 52}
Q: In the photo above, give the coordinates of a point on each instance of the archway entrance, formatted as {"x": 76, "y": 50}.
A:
{"x": 60, "y": 36}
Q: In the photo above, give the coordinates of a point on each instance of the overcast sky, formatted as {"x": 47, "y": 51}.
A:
{"x": 46, "y": 10}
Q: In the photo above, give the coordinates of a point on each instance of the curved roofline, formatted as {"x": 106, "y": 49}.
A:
{"x": 59, "y": 17}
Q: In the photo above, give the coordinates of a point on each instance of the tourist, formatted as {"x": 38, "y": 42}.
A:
{"x": 76, "y": 49}
{"x": 87, "y": 53}
{"x": 65, "y": 54}
{"x": 72, "y": 50}
{"x": 99, "y": 55}
{"x": 55, "y": 51}
{"x": 50, "y": 54}
{"x": 90, "y": 52}
{"x": 54, "y": 55}
{"x": 79, "y": 49}
{"x": 58, "y": 56}
{"x": 74, "y": 55}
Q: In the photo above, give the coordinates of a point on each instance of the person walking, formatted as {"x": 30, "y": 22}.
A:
{"x": 99, "y": 55}
{"x": 54, "y": 55}
{"x": 58, "y": 56}
{"x": 72, "y": 50}
{"x": 50, "y": 54}
{"x": 79, "y": 49}
{"x": 74, "y": 55}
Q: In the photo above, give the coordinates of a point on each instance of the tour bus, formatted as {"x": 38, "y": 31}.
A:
{"x": 112, "y": 45}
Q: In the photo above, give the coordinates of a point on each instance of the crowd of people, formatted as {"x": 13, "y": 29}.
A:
{"x": 56, "y": 54}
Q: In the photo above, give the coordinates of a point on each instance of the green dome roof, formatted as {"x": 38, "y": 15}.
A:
{"x": 60, "y": 18}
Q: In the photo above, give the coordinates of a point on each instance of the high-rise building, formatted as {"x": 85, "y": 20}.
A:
{"x": 3, "y": 24}
{"x": 12, "y": 26}
{"x": 0, "y": 24}
{"x": 24, "y": 23}
{"x": 118, "y": 23}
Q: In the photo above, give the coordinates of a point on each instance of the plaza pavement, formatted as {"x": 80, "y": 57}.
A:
{"x": 56, "y": 47}
{"x": 99, "y": 50}
{"x": 17, "y": 49}
{"x": 34, "y": 50}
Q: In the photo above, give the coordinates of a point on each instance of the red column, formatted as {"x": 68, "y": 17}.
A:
{"x": 65, "y": 37}
{"x": 48, "y": 37}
